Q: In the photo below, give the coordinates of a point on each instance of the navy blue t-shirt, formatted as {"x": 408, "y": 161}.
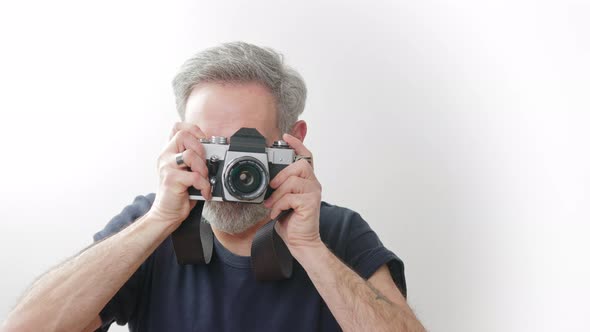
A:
{"x": 225, "y": 296}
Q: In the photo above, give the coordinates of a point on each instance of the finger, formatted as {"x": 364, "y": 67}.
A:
{"x": 293, "y": 185}
{"x": 202, "y": 183}
{"x": 288, "y": 201}
{"x": 184, "y": 140}
{"x": 191, "y": 159}
{"x": 178, "y": 181}
{"x": 194, "y": 129}
{"x": 299, "y": 168}
{"x": 297, "y": 145}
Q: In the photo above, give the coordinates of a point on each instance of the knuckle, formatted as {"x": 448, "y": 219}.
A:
{"x": 168, "y": 179}
{"x": 196, "y": 176}
{"x": 197, "y": 164}
{"x": 278, "y": 177}
{"x": 199, "y": 149}
{"x": 198, "y": 179}
{"x": 190, "y": 155}
{"x": 177, "y": 135}
{"x": 183, "y": 134}
{"x": 174, "y": 130}
{"x": 203, "y": 169}
{"x": 199, "y": 169}
{"x": 288, "y": 181}
{"x": 195, "y": 128}
{"x": 191, "y": 140}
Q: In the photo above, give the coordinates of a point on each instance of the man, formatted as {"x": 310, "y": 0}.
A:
{"x": 131, "y": 275}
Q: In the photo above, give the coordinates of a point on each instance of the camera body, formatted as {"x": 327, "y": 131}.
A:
{"x": 242, "y": 170}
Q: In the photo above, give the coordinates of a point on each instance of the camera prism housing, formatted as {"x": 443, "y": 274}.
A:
{"x": 242, "y": 170}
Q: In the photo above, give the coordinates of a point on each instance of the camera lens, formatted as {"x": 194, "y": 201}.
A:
{"x": 246, "y": 178}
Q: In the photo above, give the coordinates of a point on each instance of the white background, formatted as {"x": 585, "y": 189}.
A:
{"x": 458, "y": 129}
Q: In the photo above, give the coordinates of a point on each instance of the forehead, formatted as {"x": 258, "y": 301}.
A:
{"x": 221, "y": 109}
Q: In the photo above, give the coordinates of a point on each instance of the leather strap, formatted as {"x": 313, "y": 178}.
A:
{"x": 193, "y": 239}
{"x": 270, "y": 257}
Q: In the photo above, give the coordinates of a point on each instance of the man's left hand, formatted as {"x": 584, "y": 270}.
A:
{"x": 297, "y": 188}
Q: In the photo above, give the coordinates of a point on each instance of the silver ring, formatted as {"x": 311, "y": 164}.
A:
{"x": 309, "y": 159}
{"x": 179, "y": 160}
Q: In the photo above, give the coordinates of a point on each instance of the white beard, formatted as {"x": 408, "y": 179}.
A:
{"x": 234, "y": 218}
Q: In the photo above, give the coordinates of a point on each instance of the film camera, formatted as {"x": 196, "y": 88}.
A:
{"x": 242, "y": 170}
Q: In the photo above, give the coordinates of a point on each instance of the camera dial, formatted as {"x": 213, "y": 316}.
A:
{"x": 280, "y": 144}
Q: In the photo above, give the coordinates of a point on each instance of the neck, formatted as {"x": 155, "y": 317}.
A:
{"x": 238, "y": 244}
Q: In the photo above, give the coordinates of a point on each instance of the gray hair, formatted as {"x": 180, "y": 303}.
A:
{"x": 240, "y": 62}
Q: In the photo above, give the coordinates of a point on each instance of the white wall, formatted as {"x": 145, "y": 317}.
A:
{"x": 459, "y": 130}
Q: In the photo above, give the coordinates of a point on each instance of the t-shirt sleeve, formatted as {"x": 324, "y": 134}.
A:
{"x": 353, "y": 240}
{"x": 122, "y": 306}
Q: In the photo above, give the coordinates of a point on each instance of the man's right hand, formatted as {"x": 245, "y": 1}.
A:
{"x": 86, "y": 283}
{"x": 172, "y": 202}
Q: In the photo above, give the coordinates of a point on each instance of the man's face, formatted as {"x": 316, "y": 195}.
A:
{"x": 220, "y": 110}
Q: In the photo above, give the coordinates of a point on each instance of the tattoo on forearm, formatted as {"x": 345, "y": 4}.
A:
{"x": 378, "y": 295}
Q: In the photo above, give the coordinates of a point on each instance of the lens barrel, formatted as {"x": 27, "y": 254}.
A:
{"x": 246, "y": 178}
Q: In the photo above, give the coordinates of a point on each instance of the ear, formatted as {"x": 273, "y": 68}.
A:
{"x": 299, "y": 130}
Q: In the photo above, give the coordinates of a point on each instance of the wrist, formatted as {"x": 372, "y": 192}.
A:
{"x": 157, "y": 217}
{"x": 159, "y": 223}
{"x": 310, "y": 252}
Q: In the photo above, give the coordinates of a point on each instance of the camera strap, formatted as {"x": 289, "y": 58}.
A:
{"x": 193, "y": 239}
{"x": 271, "y": 259}
{"x": 269, "y": 255}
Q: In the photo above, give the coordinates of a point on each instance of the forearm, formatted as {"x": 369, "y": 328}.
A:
{"x": 354, "y": 302}
{"x": 71, "y": 295}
